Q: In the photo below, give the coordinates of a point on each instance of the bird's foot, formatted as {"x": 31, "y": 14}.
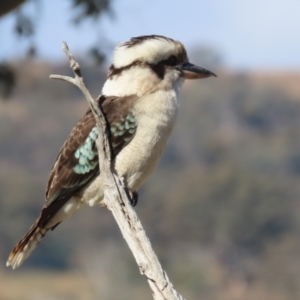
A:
{"x": 133, "y": 197}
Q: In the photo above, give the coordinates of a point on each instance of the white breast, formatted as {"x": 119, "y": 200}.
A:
{"x": 155, "y": 114}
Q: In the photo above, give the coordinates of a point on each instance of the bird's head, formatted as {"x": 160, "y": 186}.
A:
{"x": 148, "y": 61}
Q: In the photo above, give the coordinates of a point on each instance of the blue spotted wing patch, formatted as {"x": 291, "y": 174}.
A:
{"x": 86, "y": 154}
{"x": 122, "y": 131}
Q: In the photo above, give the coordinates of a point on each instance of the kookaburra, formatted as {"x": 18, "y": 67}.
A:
{"x": 140, "y": 99}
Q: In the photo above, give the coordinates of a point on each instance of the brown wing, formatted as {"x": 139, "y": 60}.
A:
{"x": 62, "y": 176}
{"x": 77, "y": 161}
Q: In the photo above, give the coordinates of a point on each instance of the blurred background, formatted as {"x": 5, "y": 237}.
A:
{"x": 222, "y": 210}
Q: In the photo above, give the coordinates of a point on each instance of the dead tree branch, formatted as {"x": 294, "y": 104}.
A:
{"x": 116, "y": 199}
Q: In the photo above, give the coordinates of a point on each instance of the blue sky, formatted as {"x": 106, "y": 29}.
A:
{"x": 251, "y": 34}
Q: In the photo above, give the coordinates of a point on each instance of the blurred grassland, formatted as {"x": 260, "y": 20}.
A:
{"x": 222, "y": 210}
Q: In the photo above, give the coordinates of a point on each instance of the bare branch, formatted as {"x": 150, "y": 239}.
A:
{"x": 65, "y": 78}
{"x": 117, "y": 201}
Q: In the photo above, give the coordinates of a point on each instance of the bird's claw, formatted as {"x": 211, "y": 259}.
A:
{"x": 133, "y": 198}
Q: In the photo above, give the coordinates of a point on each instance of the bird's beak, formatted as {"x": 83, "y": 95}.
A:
{"x": 190, "y": 71}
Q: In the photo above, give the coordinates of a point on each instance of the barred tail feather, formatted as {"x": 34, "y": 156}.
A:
{"x": 26, "y": 245}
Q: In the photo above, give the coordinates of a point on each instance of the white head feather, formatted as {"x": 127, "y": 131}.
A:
{"x": 152, "y": 50}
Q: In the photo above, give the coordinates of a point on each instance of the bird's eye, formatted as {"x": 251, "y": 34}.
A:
{"x": 171, "y": 61}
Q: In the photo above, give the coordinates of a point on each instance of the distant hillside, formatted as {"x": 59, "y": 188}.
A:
{"x": 221, "y": 210}
{"x": 288, "y": 81}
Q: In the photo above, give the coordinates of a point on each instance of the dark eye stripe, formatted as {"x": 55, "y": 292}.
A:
{"x": 159, "y": 68}
{"x": 171, "y": 61}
